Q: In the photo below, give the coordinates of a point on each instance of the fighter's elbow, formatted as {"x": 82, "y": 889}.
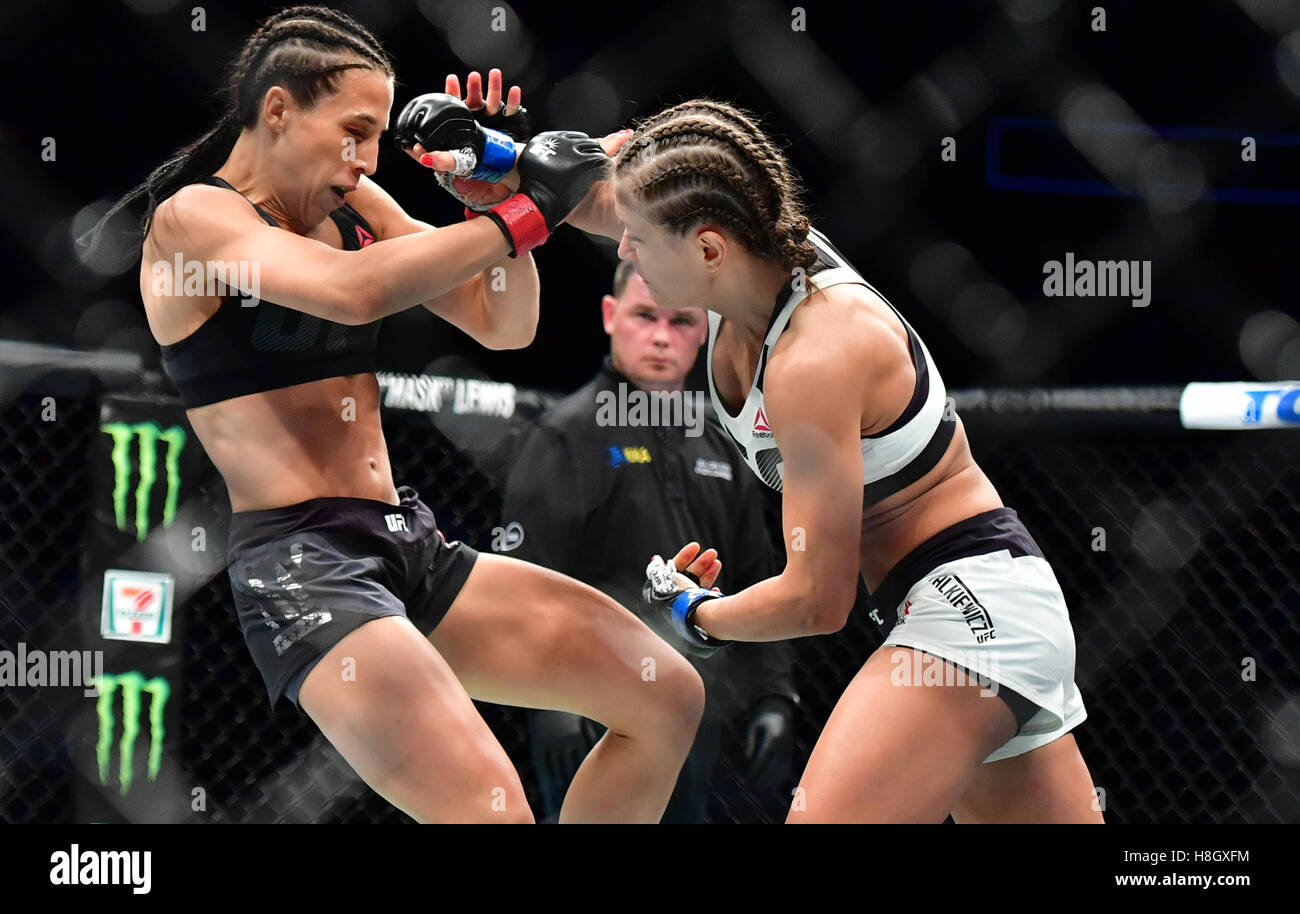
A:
{"x": 512, "y": 337}
{"x": 360, "y": 311}
{"x": 362, "y": 303}
{"x": 826, "y": 623}
{"x": 828, "y": 608}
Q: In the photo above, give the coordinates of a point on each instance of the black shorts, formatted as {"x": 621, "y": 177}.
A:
{"x": 306, "y": 575}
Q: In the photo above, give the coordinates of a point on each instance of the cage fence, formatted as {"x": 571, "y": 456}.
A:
{"x": 1176, "y": 550}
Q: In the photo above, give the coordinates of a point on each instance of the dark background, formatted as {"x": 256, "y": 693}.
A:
{"x": 860, "y": 100}
{"x": 1141, "y": 123}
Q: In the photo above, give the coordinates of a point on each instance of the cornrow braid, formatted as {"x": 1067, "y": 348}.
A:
{"x": 703, "y": 160}
{"x": 772, "y": 168}
{"x": 303, "y": 48}
{"x": 704, "y": 128}
{"x": 691, "y": 196}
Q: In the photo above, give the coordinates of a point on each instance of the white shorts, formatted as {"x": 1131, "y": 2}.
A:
{"x": 999, "y": 615}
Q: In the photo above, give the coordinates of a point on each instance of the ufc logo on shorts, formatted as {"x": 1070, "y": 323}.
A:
{"x": 395, "y": 522}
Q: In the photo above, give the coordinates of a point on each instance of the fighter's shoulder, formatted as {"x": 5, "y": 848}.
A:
{"x": 839, "y": 344}
{"x": 201, "y": 208}
{"x": 199, "y": 219}
{"x": 834, "y": 332}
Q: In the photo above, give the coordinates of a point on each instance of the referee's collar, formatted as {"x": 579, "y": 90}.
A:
{"x": 610, "y": 377}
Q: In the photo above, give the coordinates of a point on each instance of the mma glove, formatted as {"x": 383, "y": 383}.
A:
{"x": 556, "y": 170}
{"x": 667, "y": 596}
{"x": 484, "y": 145}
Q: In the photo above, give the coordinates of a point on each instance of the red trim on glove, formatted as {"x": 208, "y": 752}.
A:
{"x": 524, "y": 222}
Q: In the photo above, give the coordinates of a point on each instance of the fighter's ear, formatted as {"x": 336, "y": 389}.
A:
{"x": 712, "y": 247}
{"x": 275, "y": 105}
{"x": 607, "y": 306}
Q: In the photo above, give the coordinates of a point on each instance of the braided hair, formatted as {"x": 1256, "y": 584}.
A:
{"x": 303, "y": 49}
{"x": 708, "y": 162}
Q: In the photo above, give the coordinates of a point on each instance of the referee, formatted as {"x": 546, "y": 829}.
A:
{"x": 605, "y": 482}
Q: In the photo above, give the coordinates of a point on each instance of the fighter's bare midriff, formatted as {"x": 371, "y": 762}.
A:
{"x": 313, "y": 440}
{"x": 280, "y": 447}
{"x": 955, "y": 489}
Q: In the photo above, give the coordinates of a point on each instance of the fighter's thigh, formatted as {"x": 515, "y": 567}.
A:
{"x": 1048, "y": 784}
{"x": 524, "y": 635}
{"x": 395, "y": 710}
{"x": 894, "y": 752}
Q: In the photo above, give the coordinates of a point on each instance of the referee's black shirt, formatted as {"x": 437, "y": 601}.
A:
{"x": 597, "y": 501}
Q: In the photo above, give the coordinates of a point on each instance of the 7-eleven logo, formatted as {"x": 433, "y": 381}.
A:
{"x": 137, "y": 605}
{"x": 140, "y": 600}
{"x": 760, "y": 422}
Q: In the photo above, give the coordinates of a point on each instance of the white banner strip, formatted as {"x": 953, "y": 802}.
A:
{"x": 1238, "y": 404}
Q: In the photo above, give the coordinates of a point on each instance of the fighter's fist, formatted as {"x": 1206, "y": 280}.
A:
{"x": 493, "y": 112}
{"x": 438, "y": 121}
{"x": 673, "y": 595}
{"x": 556, "y": 169}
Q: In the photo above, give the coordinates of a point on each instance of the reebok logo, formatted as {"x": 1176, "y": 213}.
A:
{"x": 761, "y": 428}
{"x": 363, "y": 237}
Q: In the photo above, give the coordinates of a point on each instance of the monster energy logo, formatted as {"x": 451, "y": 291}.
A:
{"x": 133, "y": 684}
{"x": 149, "y": 433}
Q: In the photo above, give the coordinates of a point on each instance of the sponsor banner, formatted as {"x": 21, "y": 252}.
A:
{"x": 137, "y": 606}
{"x": 125, "y": 747}
{"x": 438, "y": 394}
{"x": 146, "y": 468}
{"x": 486, "y": 420}
{"x": 131, "y": 717}
{"x": 1236, "y": 405}
{"x": 144, "y": 464}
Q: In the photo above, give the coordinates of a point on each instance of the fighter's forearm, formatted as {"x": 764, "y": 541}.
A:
{"x": 595, "y": 214}
{"x": 771, "y": 610}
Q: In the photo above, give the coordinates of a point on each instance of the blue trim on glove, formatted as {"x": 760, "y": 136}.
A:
{"x": 683, "y": 606}
{"x": 499, "y": 154}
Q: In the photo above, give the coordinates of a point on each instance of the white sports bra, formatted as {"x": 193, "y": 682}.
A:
{"x": 891, "y": 459}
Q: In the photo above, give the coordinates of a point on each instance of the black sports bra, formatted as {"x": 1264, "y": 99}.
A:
{"x": 243, "y": 350}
